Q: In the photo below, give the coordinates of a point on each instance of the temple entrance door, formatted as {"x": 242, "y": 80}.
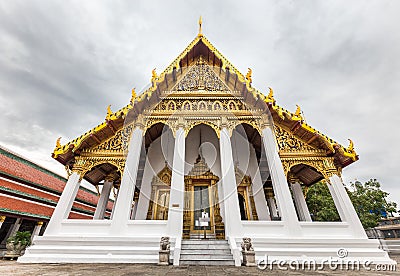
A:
{"x": 202, "y": 201}
{"x": 201, "y": 195}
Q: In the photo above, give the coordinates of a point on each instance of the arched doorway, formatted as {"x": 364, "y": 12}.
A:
{"x": 154, "y": 173}
{"x": 202, "y": 175}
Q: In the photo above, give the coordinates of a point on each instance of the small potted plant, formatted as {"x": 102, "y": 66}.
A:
{"x": 17, "y": 243}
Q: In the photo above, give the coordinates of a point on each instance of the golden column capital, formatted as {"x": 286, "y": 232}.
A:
{"x": 39, "y": 223}
{"x": 2, "y": 218}
{"x": 109, "y": 178}
{"x": 140, "y": 122}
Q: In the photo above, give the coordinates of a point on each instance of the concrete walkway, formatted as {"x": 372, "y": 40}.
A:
{"x": 14, "y": 268}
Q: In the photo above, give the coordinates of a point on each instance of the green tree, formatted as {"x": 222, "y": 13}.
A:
{"x": 370, "y": 202}
{"x": 320, "y": 203}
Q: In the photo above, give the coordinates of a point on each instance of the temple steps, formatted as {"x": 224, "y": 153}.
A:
{"x": 206, "y": 252}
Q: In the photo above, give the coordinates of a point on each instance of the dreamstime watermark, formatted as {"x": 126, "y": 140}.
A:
{"x": 332, "y": 263}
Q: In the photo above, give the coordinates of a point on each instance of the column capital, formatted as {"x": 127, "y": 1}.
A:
{"x": 181, "y": 123}
{"x": 140, "y": 122}
{"x": 2, "y": 218}
{"x": 39, "y": 223}
{"x": 265, "y": 121}
{"x": 109, "y": 178}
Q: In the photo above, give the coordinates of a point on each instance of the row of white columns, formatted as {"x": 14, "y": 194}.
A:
{"x": 233, "y": 226}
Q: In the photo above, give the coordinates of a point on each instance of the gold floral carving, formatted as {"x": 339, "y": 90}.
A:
{"x": 287, "y": 142}
{"x": 201, "y": 77}
{"x": 324, "y": 165}
{"x": 84, "y": 164}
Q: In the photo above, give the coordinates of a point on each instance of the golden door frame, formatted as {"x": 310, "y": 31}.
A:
{"x": 209, "y": 180}
{"x": 160, "y": 183}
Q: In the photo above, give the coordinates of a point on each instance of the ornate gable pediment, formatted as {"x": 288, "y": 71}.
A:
{"x": 117, "y": 143}
{"x": 201, "y": 76}
{"x": 287, "y": 142}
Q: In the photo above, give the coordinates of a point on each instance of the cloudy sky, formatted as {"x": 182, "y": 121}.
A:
{"x": 63, "y": 62}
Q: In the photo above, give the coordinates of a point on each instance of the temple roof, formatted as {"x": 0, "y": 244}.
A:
{"x": 201, "y": 46}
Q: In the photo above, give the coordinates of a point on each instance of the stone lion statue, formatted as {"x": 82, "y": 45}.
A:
{"x": 247, "y": 245}
{"x": 164, "y": 243}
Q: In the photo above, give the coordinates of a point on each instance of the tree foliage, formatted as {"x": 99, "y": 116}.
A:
{"x": 370, "y": 202}
{"x": 320, "y": 203}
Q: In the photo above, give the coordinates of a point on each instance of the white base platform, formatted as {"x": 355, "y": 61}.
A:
{"x": 318, "y": 250}
{"x": 61, "y": 249}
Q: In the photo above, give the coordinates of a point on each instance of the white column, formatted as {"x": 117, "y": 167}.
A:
{"x": 233, "y": 223}
{"x": 2, "y": 219}
{"x": 64, "y": 204}
{"x": 300, "y": 202}
{"x": 122, "y": 210}
{"x": 286, "y": 207}
{"x": 258, "y": 189}
{"x": 103, "y": 200}
{"x": 113, "y": 208}
{"x": 177, "y": 192}
{"x": 272, "y": 206}
{"x": 345, "y": 207}
{"x": 36, "y": 230}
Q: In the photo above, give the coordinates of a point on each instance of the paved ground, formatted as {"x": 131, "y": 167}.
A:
{"x": 14, "y": 268}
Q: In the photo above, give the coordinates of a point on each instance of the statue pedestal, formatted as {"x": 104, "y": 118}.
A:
{"x": 163, "y": 257}
{"x": 249, "y": 258}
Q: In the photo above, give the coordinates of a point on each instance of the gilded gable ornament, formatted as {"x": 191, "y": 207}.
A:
{"x": 201, "y": 77}
{"x": 287, "y": 142}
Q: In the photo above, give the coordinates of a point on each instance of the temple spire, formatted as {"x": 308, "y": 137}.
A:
{"x": 200, "y": 23}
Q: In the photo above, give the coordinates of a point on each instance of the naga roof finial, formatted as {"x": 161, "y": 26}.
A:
{"x": 109, "y": 112}
{"x": 153, "y": 74}
{"x": 298, "y": 111}
{"x": 248, "y": 75}
{"x": 200, "y": 23}
{"x": 133, "y": 95}
{"x": 58, "y": 144}
{"x": 351, "y": 146}
{"x": 297, "y": 114}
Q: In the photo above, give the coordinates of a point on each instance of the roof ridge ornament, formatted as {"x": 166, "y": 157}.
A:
{"x": 58, "y": 144}
{"x": 133, "y": 96}
{"x": 270, "y": 97}
{"x": 248, "y": 76}
{"x": 109, "y": 112}
{"x": 297, "y": 115}
{"x": 350, "y": 148}
{"x": 200, "y": 34}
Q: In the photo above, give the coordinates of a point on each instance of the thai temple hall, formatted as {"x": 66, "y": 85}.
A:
{"x": 199, "y": 161}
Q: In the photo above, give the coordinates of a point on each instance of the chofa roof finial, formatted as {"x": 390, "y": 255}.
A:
{"x": 200, "y": 23}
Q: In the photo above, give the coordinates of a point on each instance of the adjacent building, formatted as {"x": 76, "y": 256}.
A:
{"x": 29, "y": 193}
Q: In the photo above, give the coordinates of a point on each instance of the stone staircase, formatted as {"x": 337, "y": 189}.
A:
{"x": 206, "y": 252}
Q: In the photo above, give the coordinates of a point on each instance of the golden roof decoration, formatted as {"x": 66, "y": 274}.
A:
{"x": 109, "y": 112}
{"x": 297, "y": 115}
{"x": 282, "y": 113}
{"x": 200, "y": 34}
{"x": 133, "y": 96}
{"x": 58, "y": 144}
{"x": 248, "y": 76}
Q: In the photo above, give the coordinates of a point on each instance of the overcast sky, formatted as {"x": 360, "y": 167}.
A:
{"x": 63, "y": 62}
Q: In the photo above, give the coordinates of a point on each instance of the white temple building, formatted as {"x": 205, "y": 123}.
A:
{"x": 201, "y": 141}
